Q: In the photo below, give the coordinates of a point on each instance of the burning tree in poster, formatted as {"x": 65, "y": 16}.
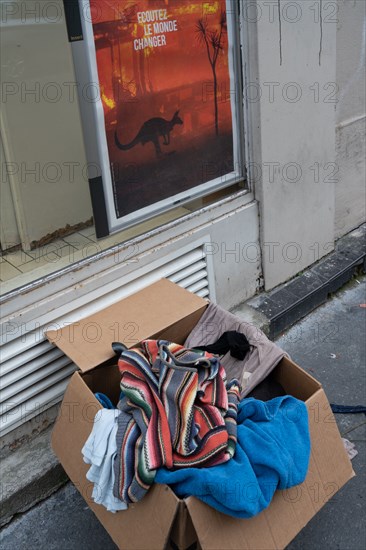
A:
{"x": 212, "y": 39}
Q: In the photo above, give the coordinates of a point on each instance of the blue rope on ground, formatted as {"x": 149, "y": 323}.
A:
{"x": 352, "y": 409}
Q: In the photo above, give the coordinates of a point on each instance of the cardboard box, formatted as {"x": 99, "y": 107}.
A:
{"x": 161, "y": 520}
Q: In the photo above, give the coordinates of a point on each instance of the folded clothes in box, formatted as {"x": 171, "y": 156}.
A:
{"x": 179, "y": 421}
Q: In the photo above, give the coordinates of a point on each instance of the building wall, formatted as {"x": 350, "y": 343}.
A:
{"x": 350, "y": 196}
{"x": 294, "y": 143}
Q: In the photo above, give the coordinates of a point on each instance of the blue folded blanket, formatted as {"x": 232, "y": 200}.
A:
{"x": 272, "y": 452}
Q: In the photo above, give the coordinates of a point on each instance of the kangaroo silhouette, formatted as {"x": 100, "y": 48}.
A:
{"x": 152, "y": 130}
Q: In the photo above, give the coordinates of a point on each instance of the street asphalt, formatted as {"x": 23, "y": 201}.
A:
{"x": 330, "y": 344}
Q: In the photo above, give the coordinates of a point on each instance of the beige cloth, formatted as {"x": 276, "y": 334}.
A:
{"x": 261, "y": 359}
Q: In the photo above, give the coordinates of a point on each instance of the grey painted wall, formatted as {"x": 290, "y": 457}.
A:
{"x": 293, "y": 135}
{"x": 350, "y": 116}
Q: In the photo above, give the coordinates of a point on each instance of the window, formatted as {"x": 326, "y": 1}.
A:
{"x": 130, "y": 63}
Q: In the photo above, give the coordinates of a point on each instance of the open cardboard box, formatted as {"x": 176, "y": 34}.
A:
{"x": 161, "y": 520}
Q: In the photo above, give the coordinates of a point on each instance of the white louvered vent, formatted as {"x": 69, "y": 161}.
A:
{"x": 34, "y": 374}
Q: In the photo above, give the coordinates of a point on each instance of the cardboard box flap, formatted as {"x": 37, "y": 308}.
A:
{"x": 144, "y": 525}
{"x": 144, "y": 314}
{"x": 295, "y": 380}
{"x": 272, "y": 529}
{"x": 290, "y": 510}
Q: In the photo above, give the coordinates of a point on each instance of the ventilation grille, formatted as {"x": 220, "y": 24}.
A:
{"x": 34, "y": 374}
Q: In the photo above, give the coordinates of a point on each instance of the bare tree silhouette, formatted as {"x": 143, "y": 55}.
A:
{"x": 212, "y": 39}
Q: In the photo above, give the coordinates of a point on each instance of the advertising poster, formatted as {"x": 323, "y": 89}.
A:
{"x": 166, "y": 89}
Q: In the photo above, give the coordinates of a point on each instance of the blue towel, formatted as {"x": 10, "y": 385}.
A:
{"x": 104, "y": 400}
{"x": 272, "y": 452}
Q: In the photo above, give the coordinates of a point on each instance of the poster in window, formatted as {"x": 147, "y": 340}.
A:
{"x": 165, "y": 71}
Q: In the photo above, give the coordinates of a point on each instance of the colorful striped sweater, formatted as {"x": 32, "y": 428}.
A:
{"x": 177, "y": 411}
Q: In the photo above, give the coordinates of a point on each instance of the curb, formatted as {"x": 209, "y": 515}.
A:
{"x": 292, "y": 301}
{"x": 29, "y": 475}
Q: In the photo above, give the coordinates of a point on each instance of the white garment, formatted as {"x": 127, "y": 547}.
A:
{"x": 100, "y": 450}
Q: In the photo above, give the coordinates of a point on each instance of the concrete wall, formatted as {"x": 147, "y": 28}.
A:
{"x": 236, "y": 256}
{"x": 350, "y": 196}
{"x": 292, "y": 134}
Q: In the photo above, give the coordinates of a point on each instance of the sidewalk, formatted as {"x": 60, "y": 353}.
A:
{"x": 330, "y": 344}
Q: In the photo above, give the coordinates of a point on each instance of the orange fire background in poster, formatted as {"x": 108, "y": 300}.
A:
{"x": 140, "y": 83}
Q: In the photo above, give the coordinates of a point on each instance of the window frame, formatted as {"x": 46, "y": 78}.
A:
{"x": 92, "y": 114}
